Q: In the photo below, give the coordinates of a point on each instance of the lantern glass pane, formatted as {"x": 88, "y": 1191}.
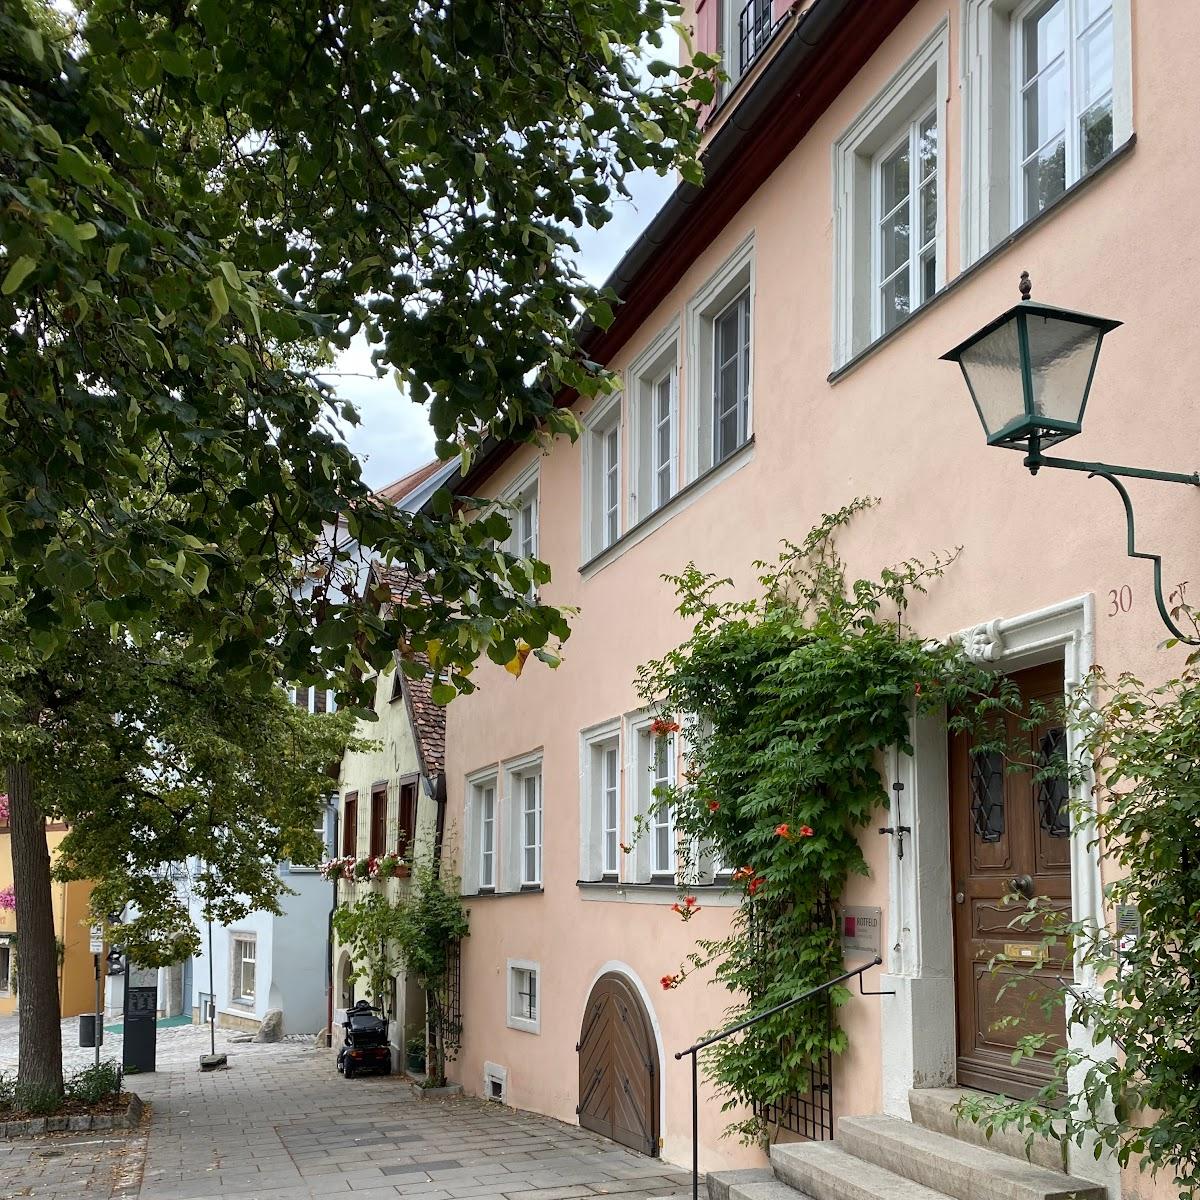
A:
{"x": 1061, "y": 354}
{"x": 993, "y": 370}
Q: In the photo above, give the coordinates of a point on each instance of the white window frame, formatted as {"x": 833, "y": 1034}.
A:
{"x": 706, "y": 866}
{"x": 531, "y": 813}
{"x": 309, "y": 693}
{"x": 735, "y": 276}
{"x": 524, "y": 495}
{"x": 515, "y": 1019}
{"x": 594, "y": 744}
{"x": 647, "y": 867}
{"x": 597, "y": 534}
{"x": 477, "y": 785}
{"x": 920, "y": 85}
{"x": 511, "y": 873}
{"x": 239, "y": 959}
{"x": 909, "y": 136}
{"x": 487, "y": 836}
{"x": 660, "y": 359}
{"x": 321, "y": 829}
{"x": 990, "y": 146}
{"x": 1074, "y": 171}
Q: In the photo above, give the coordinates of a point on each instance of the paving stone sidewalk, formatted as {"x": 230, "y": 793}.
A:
{"x": 281, "y": 1124}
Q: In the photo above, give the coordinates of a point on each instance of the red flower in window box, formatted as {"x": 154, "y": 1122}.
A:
{"x": 661, "y": 726}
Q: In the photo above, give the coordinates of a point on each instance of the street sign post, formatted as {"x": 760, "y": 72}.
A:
{"x": 96, "y": 942}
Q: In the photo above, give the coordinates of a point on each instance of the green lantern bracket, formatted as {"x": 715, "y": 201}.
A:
{"x": 1029, "y": 373}
{"x": 1035, "y": 460}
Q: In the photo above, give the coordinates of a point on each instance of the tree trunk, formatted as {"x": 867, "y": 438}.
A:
{"x": 435, "y": 1062}
{"x": 40, "y": 1061}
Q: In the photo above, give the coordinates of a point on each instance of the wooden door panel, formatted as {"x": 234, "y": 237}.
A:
{"x": 618, "y": 1067}
{"x": 1006, "y": 826}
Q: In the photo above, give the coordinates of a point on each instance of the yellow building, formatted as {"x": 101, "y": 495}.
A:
{"x": 76, "y": 978}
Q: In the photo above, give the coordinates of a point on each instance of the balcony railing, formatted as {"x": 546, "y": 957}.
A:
{"x": 754, "y": 32}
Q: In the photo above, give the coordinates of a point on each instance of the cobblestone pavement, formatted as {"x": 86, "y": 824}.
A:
{"x": 281, "y": 1124}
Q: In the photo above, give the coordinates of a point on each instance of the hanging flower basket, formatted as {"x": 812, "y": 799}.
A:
{"x": 364, "y": 870}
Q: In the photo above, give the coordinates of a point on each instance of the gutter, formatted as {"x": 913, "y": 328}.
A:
{"x": 807, "y": 36}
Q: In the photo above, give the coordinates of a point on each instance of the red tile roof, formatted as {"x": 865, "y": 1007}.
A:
{"x": 427, "y": 719}
{"x": 399, "y": 488}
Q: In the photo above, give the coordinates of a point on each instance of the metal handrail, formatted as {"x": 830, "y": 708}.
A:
{"x": 704, "y": 1043}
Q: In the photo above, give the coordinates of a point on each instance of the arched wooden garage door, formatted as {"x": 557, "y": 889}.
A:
{"x": 618, "y": 1067}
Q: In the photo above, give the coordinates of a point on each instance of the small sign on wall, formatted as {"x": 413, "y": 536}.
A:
{"x": 861, "y": 929}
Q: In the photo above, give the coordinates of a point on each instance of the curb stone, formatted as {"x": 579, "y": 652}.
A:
{"x": 77, "y": 1122}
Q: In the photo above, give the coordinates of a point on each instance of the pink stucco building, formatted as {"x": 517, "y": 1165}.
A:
{"x": 879, "y": 173}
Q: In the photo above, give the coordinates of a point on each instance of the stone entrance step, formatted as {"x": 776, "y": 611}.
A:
{"x": 934, "y": 1108}
{"x": 933, "y": 1157}
{"x": 953, "y": 1166}
{"x": 824, "y": 1171}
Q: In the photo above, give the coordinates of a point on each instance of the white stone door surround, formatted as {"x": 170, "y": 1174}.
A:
{"x": 918, "y": 1022}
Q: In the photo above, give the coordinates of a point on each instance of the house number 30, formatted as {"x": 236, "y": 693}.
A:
{"x": 1120, "y": 600}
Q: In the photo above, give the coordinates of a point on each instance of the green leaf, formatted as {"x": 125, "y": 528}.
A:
{"x": 443, "y": 693}
{"x": 17, "y": 274}
{"x": 216, "y": 289}
{"x": 115, "y": 253}
{"x": 231, "y": 275}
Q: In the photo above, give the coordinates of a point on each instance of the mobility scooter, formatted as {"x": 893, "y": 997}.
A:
{"x": 366, "y": 1045}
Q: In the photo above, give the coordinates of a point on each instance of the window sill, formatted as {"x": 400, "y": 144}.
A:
{"x": 1080, "y": 185}
{"x": 714, "y": 895}
{"x": 521, "y": 1025}
{"x": 492, "y": 894}
{"x": 686, "y": 496}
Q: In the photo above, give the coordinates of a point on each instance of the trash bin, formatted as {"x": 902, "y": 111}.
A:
{"x": 90, "y": 1033}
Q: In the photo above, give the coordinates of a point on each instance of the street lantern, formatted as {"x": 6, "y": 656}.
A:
{"x": 1030, "y": 370}
{"x": 1029, "y": 373}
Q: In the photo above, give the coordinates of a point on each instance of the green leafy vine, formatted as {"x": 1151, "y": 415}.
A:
{"x": 788, "y": 703}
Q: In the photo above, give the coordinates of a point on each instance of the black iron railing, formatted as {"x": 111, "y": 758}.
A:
{"x": 754, "y": 31}
{"x": 694, "y": 1050}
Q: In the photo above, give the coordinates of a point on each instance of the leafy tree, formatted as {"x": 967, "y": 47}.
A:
{"x": 199, "y": 204}
{"x": 151, "y": 758}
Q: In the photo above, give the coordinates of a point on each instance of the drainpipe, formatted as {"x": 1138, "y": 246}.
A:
{"x": 329, "y": 971}
{"x": 439, "y": 798}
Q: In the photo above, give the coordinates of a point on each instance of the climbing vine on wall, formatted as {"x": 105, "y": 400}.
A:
{"x": 787, "y": 704}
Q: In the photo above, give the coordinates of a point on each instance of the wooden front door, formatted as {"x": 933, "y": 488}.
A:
{"x": 1009, "y": 834}
{"x": 618, "y": 1067}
